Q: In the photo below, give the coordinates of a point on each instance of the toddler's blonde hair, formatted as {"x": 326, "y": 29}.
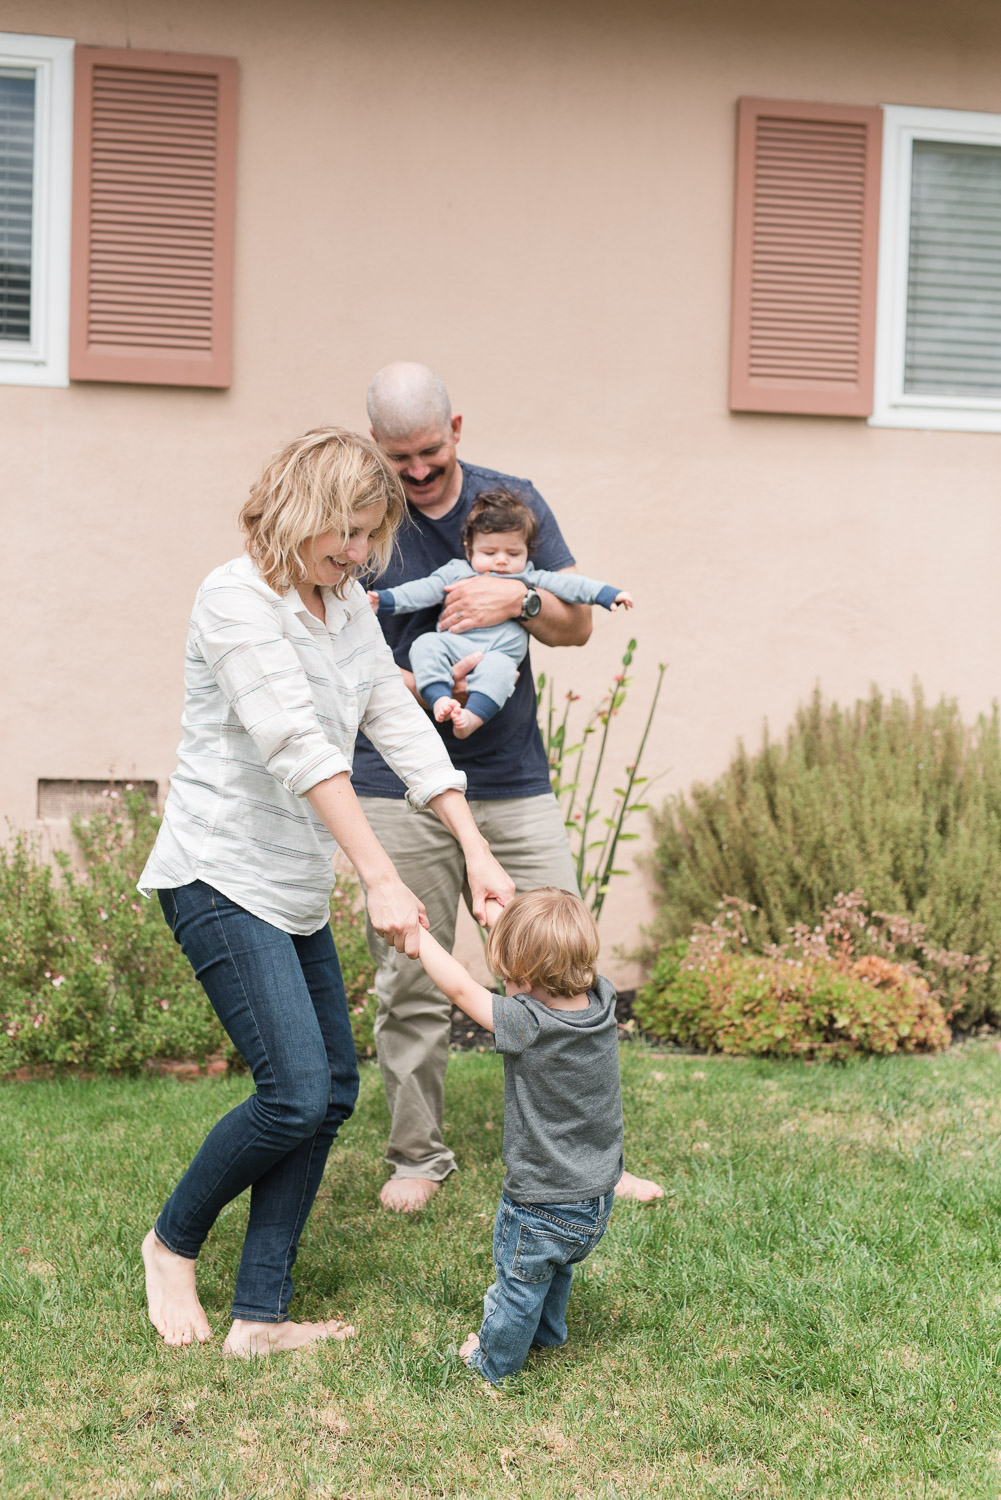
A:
{"x": 546, "y": 937}
{"x": 315, "y": 484}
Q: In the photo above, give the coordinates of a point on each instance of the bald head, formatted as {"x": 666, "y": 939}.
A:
{"x": 405, "y": 398}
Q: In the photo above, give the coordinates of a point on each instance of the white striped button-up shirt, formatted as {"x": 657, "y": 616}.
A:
{"x": 273, "y": 701}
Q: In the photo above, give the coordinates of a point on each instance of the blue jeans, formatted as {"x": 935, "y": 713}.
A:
{"x": 536, "y": 1246}
{"x": 281, "y": 999}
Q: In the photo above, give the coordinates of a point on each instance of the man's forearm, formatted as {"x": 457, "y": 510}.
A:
{"x": 559, "y": 624}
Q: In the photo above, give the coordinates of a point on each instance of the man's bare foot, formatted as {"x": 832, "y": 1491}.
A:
{"x": 248, "y": 1340}
{"x": 406, "y": 1195}
{"x": 637, "y": 1189}
{"x": 465, "y": 724}
{"x": 174, "y": 1308}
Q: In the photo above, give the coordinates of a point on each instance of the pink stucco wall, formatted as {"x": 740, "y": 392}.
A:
{"x": 537, "y": 200}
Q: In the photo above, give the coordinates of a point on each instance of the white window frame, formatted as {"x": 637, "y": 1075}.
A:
{"x": 45, "y": 359}
{"x": 892, "y": 407}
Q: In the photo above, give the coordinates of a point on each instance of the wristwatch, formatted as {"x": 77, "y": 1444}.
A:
{"x": 531, "y": 604}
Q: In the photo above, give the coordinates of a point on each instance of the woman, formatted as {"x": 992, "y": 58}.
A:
{"x": 285, "y": 663}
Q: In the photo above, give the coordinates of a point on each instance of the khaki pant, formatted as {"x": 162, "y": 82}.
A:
{"x": 527, "y": 836}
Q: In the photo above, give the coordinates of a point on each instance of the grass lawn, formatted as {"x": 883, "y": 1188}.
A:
{"x": 814, "y": 1311}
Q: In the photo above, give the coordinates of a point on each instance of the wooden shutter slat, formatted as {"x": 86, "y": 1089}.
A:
{"x": 154, "y": 167}
{"x": 803, "y": 337}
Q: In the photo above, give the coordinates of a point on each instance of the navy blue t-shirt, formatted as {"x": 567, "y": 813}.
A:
{"x": 505, "y": 758}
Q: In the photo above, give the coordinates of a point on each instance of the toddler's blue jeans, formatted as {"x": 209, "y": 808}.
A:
{"x": 536, "y": 1246}
{"x": 281, "y": 999}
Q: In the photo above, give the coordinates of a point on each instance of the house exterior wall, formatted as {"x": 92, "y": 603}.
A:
{"x": 538, "y": 201}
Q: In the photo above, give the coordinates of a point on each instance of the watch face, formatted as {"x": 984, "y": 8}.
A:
{"x": 530, "y": 608}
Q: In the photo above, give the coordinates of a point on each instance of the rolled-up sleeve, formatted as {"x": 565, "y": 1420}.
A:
{"x": 257, "y": 670}
{"x": 401, "y": 731}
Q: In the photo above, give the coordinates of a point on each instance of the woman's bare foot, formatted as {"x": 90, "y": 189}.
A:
{"x": 637, "y": 1189}
{"x": 248, "y": 1340}
{"x": 406, "y": 1195}
{"x": 174, "y": 1308}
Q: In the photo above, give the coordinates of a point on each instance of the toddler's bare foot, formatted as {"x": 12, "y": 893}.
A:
{"x": 465, "y": 723}
{"x": 447, "y": 708}
{"x": 405, "y": 1195}
{"x": 472, "y": 1342}
{"x": 248, "y": 1340}
{"x": 174, "y": 1308}
{"x": 466, "y": 1348}
{"x": 637, "y": 1189}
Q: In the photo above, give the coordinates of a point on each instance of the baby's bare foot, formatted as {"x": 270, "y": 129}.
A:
{"x": 465, "y": 723}
{"x": 472, "y": 1342}
{"x": 447, "y": 708}
{"x": 406, "y": 1195}
{"x": 637, "y": 1189}
{"x": 174, "y": 1308}
{"x": 248, "y": 1340}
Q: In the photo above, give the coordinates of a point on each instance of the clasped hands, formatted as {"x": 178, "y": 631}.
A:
{"x": 398, "y": 916}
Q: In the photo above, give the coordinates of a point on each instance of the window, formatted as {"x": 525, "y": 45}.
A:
{"x": 938, "y": 335}
{"x": 36, "y": 97}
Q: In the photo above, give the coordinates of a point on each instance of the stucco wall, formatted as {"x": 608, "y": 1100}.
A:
{"x": 537, "y": 200}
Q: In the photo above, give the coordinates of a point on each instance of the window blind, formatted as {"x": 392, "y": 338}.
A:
{"x": 804, "y": 287}
{"x": 953, "y": 340}
{"x": 17, "y": 170}
{"x": 153, "y": 198}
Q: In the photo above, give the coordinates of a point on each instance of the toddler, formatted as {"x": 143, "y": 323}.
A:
{"x": 556, "y": 1029}
{"x": 498, "y": 537}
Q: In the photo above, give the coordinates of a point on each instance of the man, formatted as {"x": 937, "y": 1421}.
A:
{"x": 508, "y": 789}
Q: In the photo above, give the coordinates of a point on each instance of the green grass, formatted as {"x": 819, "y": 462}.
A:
{"x": 815, "y": 1310}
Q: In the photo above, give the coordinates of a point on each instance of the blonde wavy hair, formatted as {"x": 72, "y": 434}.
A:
{"x": 317, "y": 483}
{"x": 546, "y": 937}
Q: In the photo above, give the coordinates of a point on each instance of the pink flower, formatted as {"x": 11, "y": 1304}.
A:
{"x": 102, "y": 913}
{"x": 38, "y": 1020}
{"x": 59, "y": 979}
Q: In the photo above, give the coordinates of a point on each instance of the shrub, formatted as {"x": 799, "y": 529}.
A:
{"x": 90, "y": 974}
{"x": 896, "y": 797}
{"x": 818, "y": 996}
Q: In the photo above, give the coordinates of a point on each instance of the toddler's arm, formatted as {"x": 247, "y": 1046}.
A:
{"x": 451, "y": 978}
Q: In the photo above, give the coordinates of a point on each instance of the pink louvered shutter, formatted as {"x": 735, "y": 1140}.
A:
{"x": 154, "y": 159}
{"x": 805, "y": 244}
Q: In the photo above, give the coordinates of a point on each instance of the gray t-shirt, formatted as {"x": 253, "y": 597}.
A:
{"x": 562, "y": 1102}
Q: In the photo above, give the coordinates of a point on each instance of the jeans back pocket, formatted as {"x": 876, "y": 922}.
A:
{"x": 542, "y": 1247}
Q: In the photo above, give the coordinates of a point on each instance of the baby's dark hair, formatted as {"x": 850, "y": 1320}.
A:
{"x": 499, "y": 510}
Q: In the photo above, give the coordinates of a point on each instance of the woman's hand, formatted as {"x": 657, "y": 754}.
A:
{"x": 397, "y": 915}
{"x": 488, "y": 882}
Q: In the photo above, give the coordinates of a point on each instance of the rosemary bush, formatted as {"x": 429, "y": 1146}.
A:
{"x": 895, "y": 796}
{"x": 90, "y": 974}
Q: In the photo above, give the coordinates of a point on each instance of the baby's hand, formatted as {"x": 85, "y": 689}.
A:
{"x": 373, "y": 599}
{"x": 492, "y": 910}
{"x": 622, "y": 600}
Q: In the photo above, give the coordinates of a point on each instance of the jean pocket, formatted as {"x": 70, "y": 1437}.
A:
{"x": 540, "y": 1249}
{"x": 168, "y": 905}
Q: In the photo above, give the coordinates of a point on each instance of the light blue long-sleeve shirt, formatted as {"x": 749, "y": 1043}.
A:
{"x": 422, "y": 593}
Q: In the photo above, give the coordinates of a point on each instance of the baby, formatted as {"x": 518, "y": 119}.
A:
{"x": 556, "y": 1029}
{"x": 498, "y": 537}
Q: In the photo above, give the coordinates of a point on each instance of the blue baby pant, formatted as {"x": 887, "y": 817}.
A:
{"x": 433, "y": 655}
